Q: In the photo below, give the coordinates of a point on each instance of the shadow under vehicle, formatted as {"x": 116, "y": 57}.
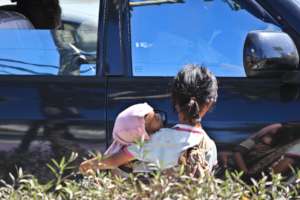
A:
{"x": 63, "y": 88}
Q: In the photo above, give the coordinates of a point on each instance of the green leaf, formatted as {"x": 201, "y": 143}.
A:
{"x": 55, "y": 163}
{"x": 54, "y": 172}
{"x": 12, "y": 178}
{"x": 62, "y": 162}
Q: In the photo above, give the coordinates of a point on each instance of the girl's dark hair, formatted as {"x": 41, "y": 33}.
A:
{"x": 193, "y": 86}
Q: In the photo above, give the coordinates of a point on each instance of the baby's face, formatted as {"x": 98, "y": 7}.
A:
{"x": 153, "y": 122}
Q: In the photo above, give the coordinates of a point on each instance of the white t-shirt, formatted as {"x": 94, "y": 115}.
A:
{"x": 165, "y": 146}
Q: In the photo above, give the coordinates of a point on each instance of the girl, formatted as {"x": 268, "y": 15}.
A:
{"x": 194, "y": 91}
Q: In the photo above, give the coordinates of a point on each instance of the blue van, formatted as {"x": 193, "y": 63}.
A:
{"x": 62, "y": 88}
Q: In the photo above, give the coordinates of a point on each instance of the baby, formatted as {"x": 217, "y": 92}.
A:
{"x": 135, "y": 123}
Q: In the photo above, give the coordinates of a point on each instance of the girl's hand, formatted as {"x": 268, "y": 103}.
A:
{"x": 88, "y": 167}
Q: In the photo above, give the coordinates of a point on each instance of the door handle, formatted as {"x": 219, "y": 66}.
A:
{"x": 291, "y": 78}
{"x": 290, "y": 86}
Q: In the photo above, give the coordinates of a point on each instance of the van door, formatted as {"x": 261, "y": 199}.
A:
{"x": 51, "y": 89}
{"x": 167, "y": 35}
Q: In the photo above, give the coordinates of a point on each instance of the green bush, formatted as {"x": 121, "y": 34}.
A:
{"x": 159, "y": 186}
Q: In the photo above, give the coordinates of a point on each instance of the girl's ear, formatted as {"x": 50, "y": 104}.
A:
{"x": 205, "y": 108}
{"x": 181, "y": 117}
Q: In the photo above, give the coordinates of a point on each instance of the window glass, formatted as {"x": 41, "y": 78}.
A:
{"x": 297, "y": 1}
{"x": 48, "y": 38}
{"x": 207, "y": 32}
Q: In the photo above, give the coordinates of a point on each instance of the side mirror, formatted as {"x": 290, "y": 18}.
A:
{"x": 269, "y": 54}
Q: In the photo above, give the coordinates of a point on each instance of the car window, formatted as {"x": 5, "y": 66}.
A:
{"x": 45, "y": 39}
{"x": 165, "y": 36}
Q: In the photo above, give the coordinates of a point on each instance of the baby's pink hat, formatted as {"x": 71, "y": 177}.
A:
{"x": 129, "y": 127}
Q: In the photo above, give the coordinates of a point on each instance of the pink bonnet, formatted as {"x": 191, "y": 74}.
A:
{"x": 129, "y": 127}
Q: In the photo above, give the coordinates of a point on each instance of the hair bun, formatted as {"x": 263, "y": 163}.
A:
{"x": 192, "y": 88}
{"x": 193, "y": 107}
{"x": 192, "y": 101}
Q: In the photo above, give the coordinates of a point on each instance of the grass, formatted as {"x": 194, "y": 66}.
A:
{"x": 65, "y": 184}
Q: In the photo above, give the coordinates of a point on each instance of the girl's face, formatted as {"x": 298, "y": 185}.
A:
{"x": 153, "y": 122}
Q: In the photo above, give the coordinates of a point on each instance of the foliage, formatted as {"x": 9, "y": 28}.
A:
{"x": 66, "y": 185}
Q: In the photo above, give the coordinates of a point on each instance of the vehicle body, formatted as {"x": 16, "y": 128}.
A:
{"x": 80, "y": 108}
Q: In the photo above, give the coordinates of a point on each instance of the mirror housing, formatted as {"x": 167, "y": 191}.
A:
{"x": 269, "y": 54}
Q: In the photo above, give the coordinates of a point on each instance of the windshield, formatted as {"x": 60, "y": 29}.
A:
{"x": 48, "y": 38}
{"x": 168, "y": 34}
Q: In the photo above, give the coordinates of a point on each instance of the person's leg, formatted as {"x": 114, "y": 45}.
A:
{"x": 29, "y": 136}
{"x": 240, "y": 162}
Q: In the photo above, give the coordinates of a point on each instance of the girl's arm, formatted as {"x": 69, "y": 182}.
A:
{"x": 114, "y": 161}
